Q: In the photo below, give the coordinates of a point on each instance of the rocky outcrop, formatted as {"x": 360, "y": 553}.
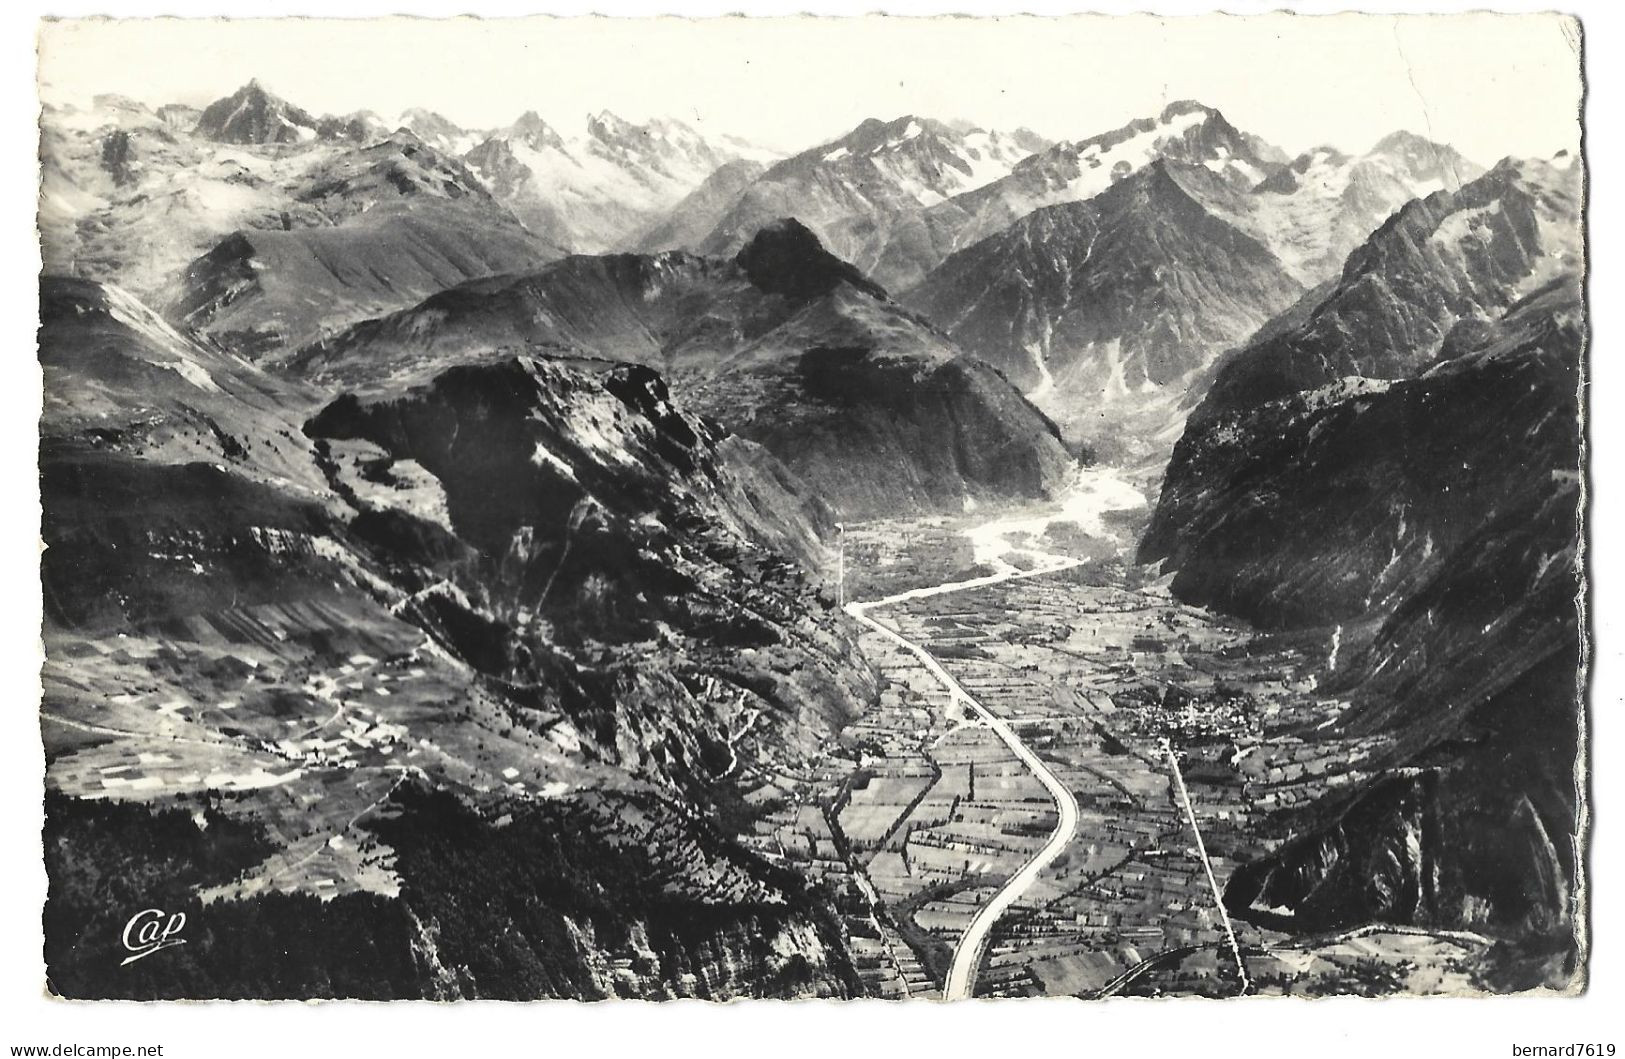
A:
{"x": 594, "y": 512}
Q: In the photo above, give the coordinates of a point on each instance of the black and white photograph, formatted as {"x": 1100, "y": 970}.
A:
{"x": 782, "y": 508}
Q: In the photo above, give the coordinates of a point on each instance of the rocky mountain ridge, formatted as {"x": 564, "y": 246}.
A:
{"x": 786, "y": 344}
{"x": 379, "y": 228}
{"x": 853, "y": 191}
{"x": 601, "y": 189}
{"x": 1103, "y": 310}
{"x": 1112, "y": 313}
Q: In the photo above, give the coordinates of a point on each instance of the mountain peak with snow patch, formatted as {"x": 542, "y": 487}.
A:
{"x": 252, "y": 114}
{"x": 535, "y": 133}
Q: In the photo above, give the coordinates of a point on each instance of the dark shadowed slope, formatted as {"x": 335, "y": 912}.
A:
{"x": 1438, "y": 521}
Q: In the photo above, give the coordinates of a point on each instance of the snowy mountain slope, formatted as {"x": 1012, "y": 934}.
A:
{"x": 438, "y": 131}
{"x": 1447, "y": 261}
{"x": 170, "y": 197}
{"x": 599, "y": 190}
{"x": 1073, "y": 317}
{"x": 852, "y": 191}
{"x": 1316, "y": 210}
{"x": 1076, "y": 170}
{"x": 1103, "y": 310}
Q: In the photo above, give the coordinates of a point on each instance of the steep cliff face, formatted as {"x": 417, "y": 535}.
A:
{"x": 785, "y": 344}
{"x": 1384, "y": 356}
{"x": 1434, "y": 520}
{"x": 378, "y": 640}
{"x": 1380, "y": 480}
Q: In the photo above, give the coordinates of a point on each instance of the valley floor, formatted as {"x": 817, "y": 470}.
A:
{"x": 1058, "y": 748}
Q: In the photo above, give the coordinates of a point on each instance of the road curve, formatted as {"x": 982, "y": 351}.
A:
{"x": 968, "y": 954}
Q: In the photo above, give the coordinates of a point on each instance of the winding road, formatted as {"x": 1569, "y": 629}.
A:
{"x": 968, "y": 954}
{"x": 1093, "y": 493}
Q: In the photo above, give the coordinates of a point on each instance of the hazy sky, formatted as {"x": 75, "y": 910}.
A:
{"x": 1491, "y": 85}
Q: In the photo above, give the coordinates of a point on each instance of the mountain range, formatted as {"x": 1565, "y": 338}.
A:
{"x": 604, "y": 188}
{"x": 786, "y": 343}
{"x": 388, "y": 224}
{"x": 1400, "y": 468}
{"x": 262, "y": 534}
{"x": 492, "y": 487}
{"x": 1116, "y": 343}
{"x": 854, "y": 191}
{"x": 1110, "y": 306}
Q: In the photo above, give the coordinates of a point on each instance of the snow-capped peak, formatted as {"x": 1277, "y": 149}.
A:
{"x": 535, "y": 133}
{"x": 252, "y": 114}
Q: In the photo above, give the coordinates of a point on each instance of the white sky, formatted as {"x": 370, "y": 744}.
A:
{"x": 1491, "y": 85}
